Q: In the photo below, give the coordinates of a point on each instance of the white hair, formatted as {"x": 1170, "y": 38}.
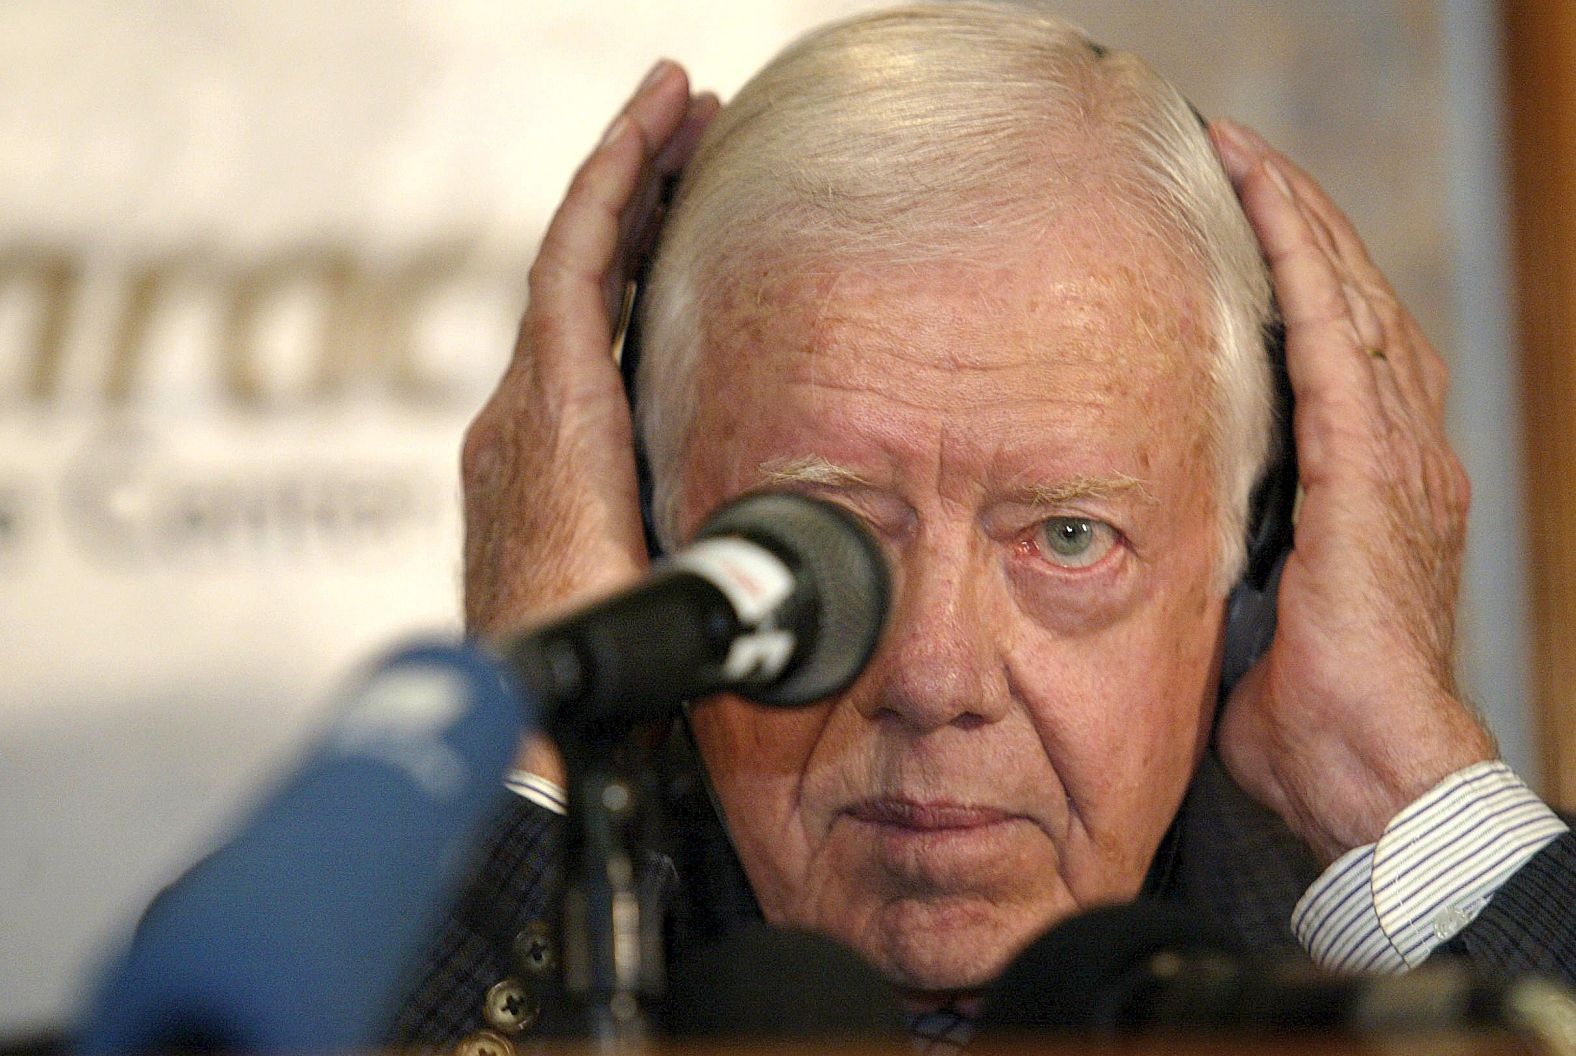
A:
{"x": 939, "y": 131}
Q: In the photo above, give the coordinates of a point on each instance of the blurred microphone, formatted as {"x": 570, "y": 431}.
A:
{"x": 766, "y": 984}
{"x": 1154, "y": 968}
{"x": 780, "y": 598}
{"x": 294, "y": 935}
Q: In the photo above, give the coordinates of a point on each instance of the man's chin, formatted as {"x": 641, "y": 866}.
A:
{"x": 949, "y": 945}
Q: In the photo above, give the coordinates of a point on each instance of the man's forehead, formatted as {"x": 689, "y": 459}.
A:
{"x": 1068, "y": 368}
{"x": 1035, "y": 304}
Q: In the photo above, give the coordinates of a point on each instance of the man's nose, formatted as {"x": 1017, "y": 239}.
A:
{"x": 940, "y": 661}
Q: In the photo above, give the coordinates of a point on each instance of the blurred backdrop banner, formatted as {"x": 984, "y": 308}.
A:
{"x": 260, "y": 262}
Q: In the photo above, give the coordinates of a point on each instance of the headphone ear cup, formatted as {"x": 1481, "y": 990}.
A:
{"x": 1250, "y": 608}
{"x": 1250, "y": 627}
{"x": 629, "y": 345}
{"x": 628, "y": 368}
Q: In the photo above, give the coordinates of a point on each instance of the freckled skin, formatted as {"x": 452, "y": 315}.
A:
{"x": 1068, "y": 707}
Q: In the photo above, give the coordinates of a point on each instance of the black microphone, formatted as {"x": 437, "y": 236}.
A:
{"x": 1157, "y": 967}
{"x": 762, "y": 983}
{"x": 780, "y": 598}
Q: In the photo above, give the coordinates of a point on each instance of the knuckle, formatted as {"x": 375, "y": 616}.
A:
{"x": 1340, "y": 424}
{"x": 547, "y": 330}
{"x": 557, "y": 268}
{"x": 1400, "y": 460}
{"x": 547, "y": 270}
{"x": 1460, "y": 483}
{"x": 590, "y": 187}
{"x": 1327, "y": 315}
{"x": 481, "y": 449}
{"x": 536, "y": 279}
{"x": 583, "y": 182}
{"x": 1379, "y": 294}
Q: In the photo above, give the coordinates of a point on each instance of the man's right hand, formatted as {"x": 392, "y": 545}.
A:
{"x": 551, "y": 511}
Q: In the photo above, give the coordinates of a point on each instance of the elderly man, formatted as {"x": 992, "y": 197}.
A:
{"x": 996, "y": 291}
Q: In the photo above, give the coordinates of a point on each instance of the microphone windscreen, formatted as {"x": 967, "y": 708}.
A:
{"x": 295, "y": 935}
{"x": 1083, "y": 974}
{"x": 763, "y": 983}
{"x": 842, "y": 574}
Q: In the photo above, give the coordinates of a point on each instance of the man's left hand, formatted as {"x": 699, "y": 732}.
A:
{"x": 1353, "y": 712}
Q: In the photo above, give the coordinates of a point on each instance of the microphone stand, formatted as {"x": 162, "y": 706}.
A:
{"x": 612, "y": 922}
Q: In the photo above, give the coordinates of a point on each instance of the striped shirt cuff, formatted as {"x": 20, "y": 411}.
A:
{"x": 1384, "y": 907}
{"x": 539, "y": 790}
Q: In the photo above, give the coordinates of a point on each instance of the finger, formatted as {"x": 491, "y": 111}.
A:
{"x": 659, "y": 105}
{"x": 609, "y": 185}
{"x": 681, "y": 146}
{"x": 1242, "y": 151}
{"x": 1335, "y": 386}
{"x": 1388, "y": 330}
{"x": 1371, "y": 329}
{"x": 582, "y": 242}
{"x": 1247, "y": 148}
{"x": 667, "y": 148}
{"x": 1397, "y": 349}
{"x": 643, "y": 220}
{"x": 1382, "y": 325}
{"x": 567, "y": 299}
{"x": 1381, "y": 321}
{"x": 1321, "y": 231}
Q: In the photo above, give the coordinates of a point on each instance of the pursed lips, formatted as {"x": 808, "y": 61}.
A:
{"x": 936, "y": 844}
{"x": 927, "y": 815}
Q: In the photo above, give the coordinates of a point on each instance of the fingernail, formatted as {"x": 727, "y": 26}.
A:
{"x": 1243, "y": 134}
{"x": 1278, "y": 180}
{"x": 659, "y": 71}
{"x": 619, "y": 126}
{"x": 1231, "y": 132}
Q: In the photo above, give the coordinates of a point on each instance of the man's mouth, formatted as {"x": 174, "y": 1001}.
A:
{"x": 926, "y": 815}
{"x": 934, "y": 845}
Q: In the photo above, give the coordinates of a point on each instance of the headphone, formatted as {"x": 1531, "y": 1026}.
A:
{"x": 1250, "y": 607}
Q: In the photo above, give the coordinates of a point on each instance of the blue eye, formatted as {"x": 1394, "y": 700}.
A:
{"x": 1073, "y": 542}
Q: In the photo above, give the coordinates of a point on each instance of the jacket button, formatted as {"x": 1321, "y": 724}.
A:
{"x": 484, "y": 1043}
{"x": 510, "y": 1008}
{"x": 533, "y": 949}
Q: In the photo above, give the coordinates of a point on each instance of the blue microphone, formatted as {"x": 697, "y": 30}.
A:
{"x": 296, "y": 933}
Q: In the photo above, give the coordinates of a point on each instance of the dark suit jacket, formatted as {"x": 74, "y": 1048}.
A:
{"x": 1224, "y": 854}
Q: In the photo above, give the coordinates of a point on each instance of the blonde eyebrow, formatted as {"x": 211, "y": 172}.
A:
{"x": 1075, "y": 488}
{"x": 810, "y": 469}
{"x": 814, "y": 469}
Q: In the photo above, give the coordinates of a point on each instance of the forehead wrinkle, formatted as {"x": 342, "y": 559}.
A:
{"x": 858, "y": 309}
{"x": 982, "y": 334}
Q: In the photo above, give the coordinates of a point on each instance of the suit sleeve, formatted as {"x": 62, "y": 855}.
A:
{"x": 1530, "y": 923}
{"x": 471, "y": 952}
{"x": 1389, "y": 905}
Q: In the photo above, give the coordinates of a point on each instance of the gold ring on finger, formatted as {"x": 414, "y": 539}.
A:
{"x": 1376, "y": 353}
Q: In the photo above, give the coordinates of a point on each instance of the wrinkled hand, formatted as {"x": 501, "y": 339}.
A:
{"x": 551, "y": 509}
{"x": 1353, "y": 713}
